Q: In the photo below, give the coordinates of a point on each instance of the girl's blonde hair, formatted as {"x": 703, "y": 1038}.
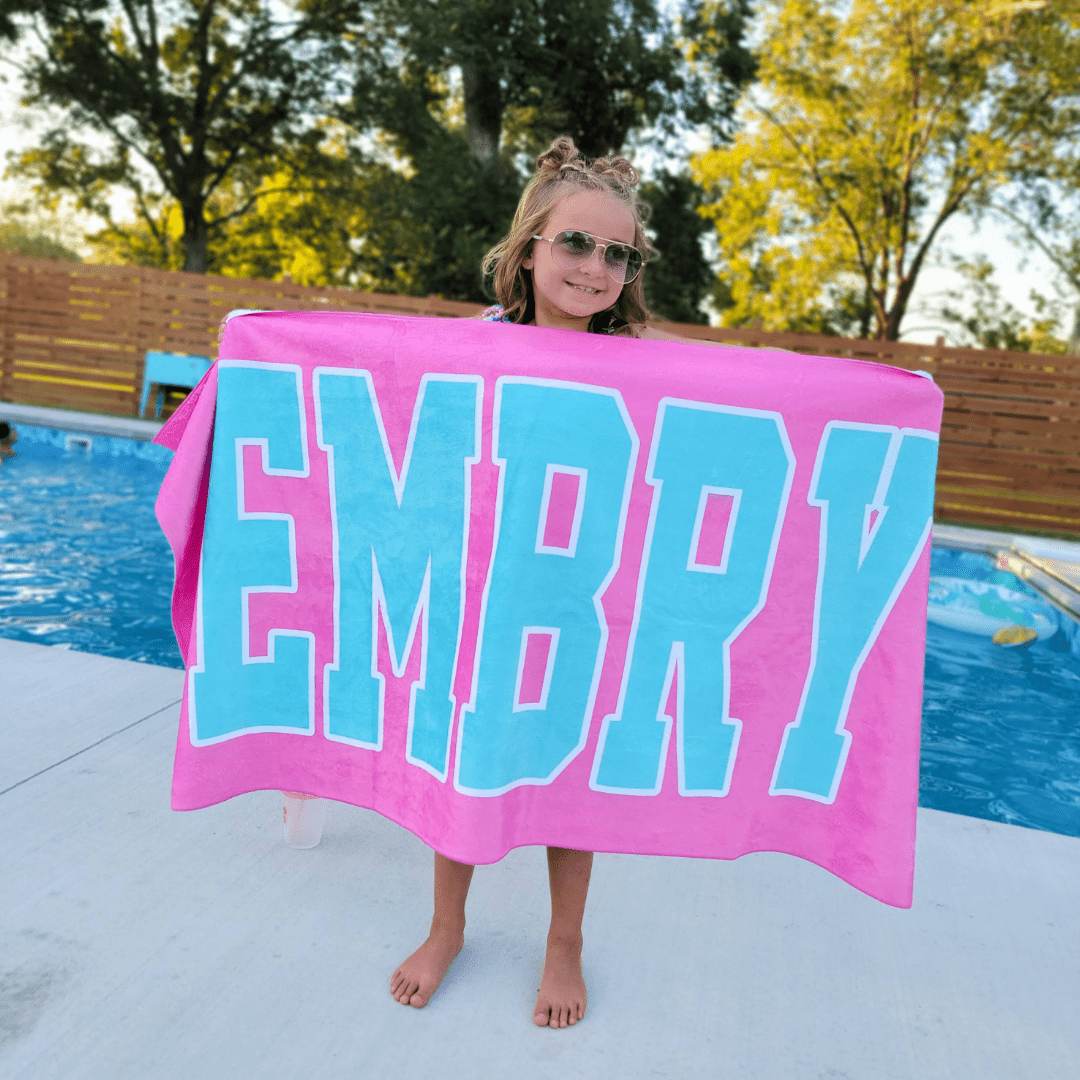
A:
{"x": 560, "y": 171}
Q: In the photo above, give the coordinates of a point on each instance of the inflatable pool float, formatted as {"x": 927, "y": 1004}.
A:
{"x": 980, "y": 607}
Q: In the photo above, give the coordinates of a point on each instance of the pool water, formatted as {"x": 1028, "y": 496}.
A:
{"x": 1001, "y": 727}
{"x": 84, "y": 565}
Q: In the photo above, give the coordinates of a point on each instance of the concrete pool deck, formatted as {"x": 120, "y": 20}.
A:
{"x": 140, "y": 943}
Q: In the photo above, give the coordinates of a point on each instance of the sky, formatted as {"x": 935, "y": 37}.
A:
{"x": 1017, "y": 271}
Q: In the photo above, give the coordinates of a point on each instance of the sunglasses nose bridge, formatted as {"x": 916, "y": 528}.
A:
{"x": 598, "y": 255}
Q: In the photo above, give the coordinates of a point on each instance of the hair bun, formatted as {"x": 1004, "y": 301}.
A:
{"x": 618, "y": 168}
{"x": 563, "y": 154}
{"x": 560, "y": 154}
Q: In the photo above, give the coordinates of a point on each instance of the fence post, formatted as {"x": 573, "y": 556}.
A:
{"x": 7, "y": 340}
{"x": 137, "y": 335}
{"x": 939, "y": 353}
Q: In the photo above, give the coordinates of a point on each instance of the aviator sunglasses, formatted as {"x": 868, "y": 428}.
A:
{"x": 573, "y": 248}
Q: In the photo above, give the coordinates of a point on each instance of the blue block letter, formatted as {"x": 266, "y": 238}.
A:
{"x": 688, "y": 614}
{"x": 399, "y": 549}
{"x": 232, "y": 691}
{"x": 875, "y": 488}
{"x": 553, "y": 589}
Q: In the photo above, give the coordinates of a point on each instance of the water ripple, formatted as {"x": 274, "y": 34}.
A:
{"x": 1000, "y": 731}
{"x": 82, "y": 560}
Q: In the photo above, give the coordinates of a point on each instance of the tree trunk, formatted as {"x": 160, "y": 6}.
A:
{"x": 195, "y": 239}
{"x": 483, "y": 113}
{"x": 894, "y": 316}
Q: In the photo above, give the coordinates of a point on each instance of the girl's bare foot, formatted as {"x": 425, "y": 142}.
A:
{"x": 418, "y": 977}
{"x": 562, "y": 996}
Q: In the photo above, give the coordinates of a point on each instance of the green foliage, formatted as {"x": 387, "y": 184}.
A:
{"x": 16, "y": 239}
{"x": 24, "y": 231}
{"x": 181, "y": 98}
{"x": 592, "y": 69}
{"x": 980, "y": 316}
{"x": 346, "y": 227}
{"x": 677, "y": 283}
{"x": 876, "y": 122}
{"x": 464, "y": 93}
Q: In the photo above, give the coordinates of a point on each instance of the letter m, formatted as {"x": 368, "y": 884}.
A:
{"x": 399, "y": 553}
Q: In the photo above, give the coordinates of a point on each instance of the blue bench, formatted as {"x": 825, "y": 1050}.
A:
{"x": 169, "y": 371}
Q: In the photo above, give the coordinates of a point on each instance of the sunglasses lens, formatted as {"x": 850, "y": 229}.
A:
{"x": 572, "y": 248}
{"x": 622, "y": 262}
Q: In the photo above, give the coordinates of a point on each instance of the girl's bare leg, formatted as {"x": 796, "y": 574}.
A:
{"x": 561, "y": 999}
{"x": 418, "y": 977}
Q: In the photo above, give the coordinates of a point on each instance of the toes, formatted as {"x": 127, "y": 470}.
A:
{"x": 417, "y": 1001}
{"x": 541, "y": 1017}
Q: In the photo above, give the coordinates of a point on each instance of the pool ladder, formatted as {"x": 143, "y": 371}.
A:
{"x": 1054, "y": 579}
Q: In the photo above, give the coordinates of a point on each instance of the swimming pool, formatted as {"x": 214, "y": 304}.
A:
{"x": 84, "y": 565}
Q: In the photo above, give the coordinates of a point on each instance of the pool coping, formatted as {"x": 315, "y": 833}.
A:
{"x": 91, "y": 423}
{"x": 990, "y": 541}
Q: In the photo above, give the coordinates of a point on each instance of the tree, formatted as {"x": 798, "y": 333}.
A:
{"x": 231, "y": 131}
{"x": 181, "y": 99}
{"x": 16, "y": 239}
{"x": 875, "y": 122}
{"x": 348, "y": 226}
{"x": 678, "y": 282}
{"x": 591, "y": 69}
{"x": 464, "y": 92}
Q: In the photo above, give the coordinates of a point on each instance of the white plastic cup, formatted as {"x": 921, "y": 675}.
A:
{"x": 305, "y": 816}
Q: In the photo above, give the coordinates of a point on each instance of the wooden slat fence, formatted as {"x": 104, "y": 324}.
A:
{"x": 1010, "y": 434}
{"x": 74, "y": 336}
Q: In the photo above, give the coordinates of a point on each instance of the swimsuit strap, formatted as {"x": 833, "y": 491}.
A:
{"x": 606, "y": 322}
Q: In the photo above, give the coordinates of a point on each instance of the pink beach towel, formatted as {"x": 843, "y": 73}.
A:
{"x": 510, "y": 586}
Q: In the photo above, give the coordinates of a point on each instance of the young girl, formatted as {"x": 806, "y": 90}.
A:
{"x": 573, "y": 260}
